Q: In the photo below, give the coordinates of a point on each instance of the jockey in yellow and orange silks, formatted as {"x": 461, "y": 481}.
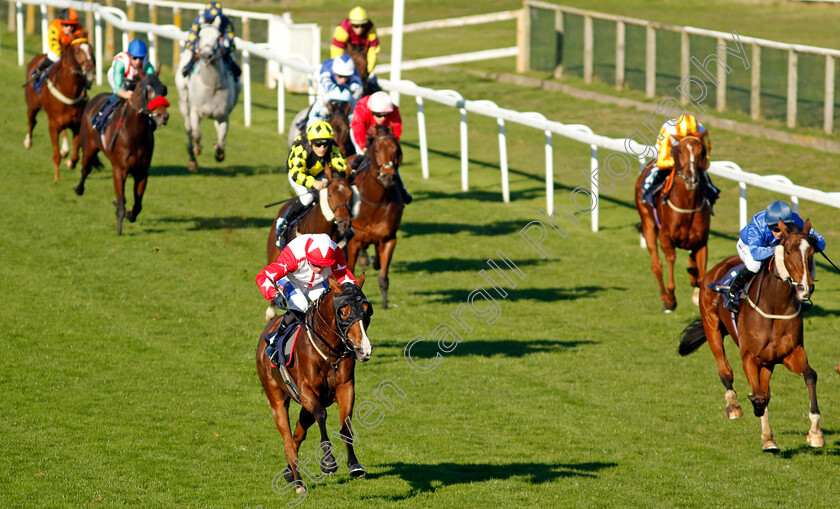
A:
{"x": 358, "y": 30}
{"x": 61, "y": 31}
{"x": 670, "y": 135}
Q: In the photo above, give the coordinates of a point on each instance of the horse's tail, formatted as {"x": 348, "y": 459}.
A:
{"x": 692, "y": 337}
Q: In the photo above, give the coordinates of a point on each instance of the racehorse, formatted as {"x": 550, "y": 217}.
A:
{"x": 338, "y": 115}
{"x": 324, "y": 358}
{"x": 336, "y": 206}
{"x": 63, "y": 96}
{"x": 768, "y": 329}
{"x": 680, "y": 219}
{"x": 210, "y": 91}
{"x": 128, "y": 141}
{"x": 382, "y": 205}
{"x": 359, "y": 56}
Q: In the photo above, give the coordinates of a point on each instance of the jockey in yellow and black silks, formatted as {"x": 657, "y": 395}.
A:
{"x": 670, "y": 135}
{"x": 309, "y": 157}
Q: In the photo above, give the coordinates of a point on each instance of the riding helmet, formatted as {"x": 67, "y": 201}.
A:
{"x": 358, "y": 16}
{"x": 320, "y": 250}
{"x": 380, "y": 102}
{"x": 211, "y": 10}
{"x": 343, "y": 66}
{"x": 138, "y": 49}
{"x": 778, "y": 210}
{"x": 320, "y": 131}
{"x": 69, "y": 16}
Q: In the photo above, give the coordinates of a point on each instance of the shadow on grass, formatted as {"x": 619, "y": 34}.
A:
{"x": 222, "y": 223}
{"x": 484, "y": 348}
{"x": 428, "y": 478}
{"x": 436, "y": 265}
{"x": 210, "y": 169}
{"x": 538, "y": 294}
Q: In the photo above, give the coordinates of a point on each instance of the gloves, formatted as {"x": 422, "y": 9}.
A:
{"x": 280, "y": 300}
{"x": 814, "y": 241}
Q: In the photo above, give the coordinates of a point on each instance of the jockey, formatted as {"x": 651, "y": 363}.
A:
{"x": 299, "y": 276}
{"x": 756, "y": 243}
{"x": 670, "y": 135}
{"x": 212, "y": 15}
{"x": 339, "y": 72}
{"x": 122, "y": 77}
{"x": 319, "y": 110}
{"x": 358, "y": 30}
{"x": 62, "y": 31}
{"x": 308, "y": 158}
{"x": 376, "y": 109}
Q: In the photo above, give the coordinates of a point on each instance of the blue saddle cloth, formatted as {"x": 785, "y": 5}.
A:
{"x": 725, "y": 282}
{"x": 281, "y": 343}
{"x": 38, "y": 84}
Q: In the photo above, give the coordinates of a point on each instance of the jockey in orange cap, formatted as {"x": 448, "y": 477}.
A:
{"x": 61, "y": 32}
{"x": 669, "y": 136}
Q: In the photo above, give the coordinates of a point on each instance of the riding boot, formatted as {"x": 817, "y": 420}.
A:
{"x": 43, "y": 66}
{"x": 712, "y": 192}
{"x": 189, "y": 67}
{"x": 234, "y": 67}
{"x": 407, "y": 198}
{"x": 737, "y": 285}
{"x": 650, "y": 184}
{"x": 288, "y": 216}
{"x": 272, "y": 350}
{"x": 357, "y": 161}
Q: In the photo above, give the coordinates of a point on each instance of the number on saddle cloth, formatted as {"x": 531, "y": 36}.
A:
{"x": 103, "y": 117}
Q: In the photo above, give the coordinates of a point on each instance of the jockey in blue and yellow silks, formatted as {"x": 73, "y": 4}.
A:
{"x": 212, "y": 15}
{"x": 670, "y": 135}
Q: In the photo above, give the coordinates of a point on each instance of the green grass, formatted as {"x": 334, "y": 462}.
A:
{"x": 129, "y": 374}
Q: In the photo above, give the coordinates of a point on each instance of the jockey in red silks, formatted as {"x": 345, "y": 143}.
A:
{"x": 299, "y": 275}
{"x": 371, "y": 110}
{"x": 358, "y": 30}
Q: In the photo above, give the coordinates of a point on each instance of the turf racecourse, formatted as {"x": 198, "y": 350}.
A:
{"x": 129, "y": 380}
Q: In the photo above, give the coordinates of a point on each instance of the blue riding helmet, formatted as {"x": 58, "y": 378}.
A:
{"x": 211, "y": 10}
{"x": 138, "y": 49}
{"x": 778, "y": 210}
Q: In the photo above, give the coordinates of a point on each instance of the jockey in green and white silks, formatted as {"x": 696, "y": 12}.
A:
{"x": 125, "y": 68}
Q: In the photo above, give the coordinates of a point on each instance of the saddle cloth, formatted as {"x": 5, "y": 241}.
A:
{"x": 38, "y": 84}
{"x": 725, "y": 282}
{"x": 285, "y": 347}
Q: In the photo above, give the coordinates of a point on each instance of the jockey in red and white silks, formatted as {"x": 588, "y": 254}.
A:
{"x": 302, "y": 269}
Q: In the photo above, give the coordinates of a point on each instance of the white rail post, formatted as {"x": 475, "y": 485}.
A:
{"x": 100, "y": 43}
{"x": 593, "y": 171}
{"x": 619, "y": 55}
{"x": 397, "y": 47}
{"x": 125, "y": 41}
{"x": 588, "y": 46}
{"x": 44, "y": 29}
{"x": 20, "y": 30}
{"x": 549, "y": 173}
{"x": 685, "y": 55}
{"x": 424, "y": 148}
{"x": 720, "y": 99}
{"x": 792, "y": 83}
{"x": 828, "y": 109}
{"x": 742, "y": 206}
{"x": 755, "y": 83}
{"x": 503, "y": 162}
{"x": 246, "y": 82}
{"x": 281, "y": 101}
{"x": 650, "y": 62}
{"x": 153, "y": 53}
{"x": 465, "y": 152}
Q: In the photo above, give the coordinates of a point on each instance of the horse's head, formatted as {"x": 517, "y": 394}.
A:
{"x": 150, "y": 98}
{"x": 352, "y": 316}
{"x": 80, "y": 54}
{"x": 797, "y": 251}
{"x": 337, "y": 116}
{"x": 690, "y": 160}
{"x": 209, "y": 46}
{"x": 385, "y": 154}
{"x": 337, "y": 200}
{"x": 359, "y": 56}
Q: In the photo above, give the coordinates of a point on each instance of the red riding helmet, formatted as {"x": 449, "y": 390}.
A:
{"x": 320, "y": 250}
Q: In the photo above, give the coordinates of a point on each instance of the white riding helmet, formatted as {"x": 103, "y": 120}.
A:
{"x": 343, "y": 66}
{"x": 380, "y": 102}
{"x": 341, "y": 94}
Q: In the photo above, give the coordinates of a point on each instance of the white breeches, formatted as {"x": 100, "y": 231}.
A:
{"x": 746, "y": 257}
{"x": 305, "y": 194}
{"x": 299, "y": 297}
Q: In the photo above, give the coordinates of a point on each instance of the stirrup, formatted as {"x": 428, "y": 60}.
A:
{"x": 729, "y": 302}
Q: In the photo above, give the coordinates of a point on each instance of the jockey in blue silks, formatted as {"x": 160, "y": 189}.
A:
{"x": 339, "y": 71}
{"x": 212, "y": 15}
{"x": 757, "y": 242}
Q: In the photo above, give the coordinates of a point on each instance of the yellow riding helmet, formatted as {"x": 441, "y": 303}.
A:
{"x": 320, "y": 131}
{"x": 358, "y": 16}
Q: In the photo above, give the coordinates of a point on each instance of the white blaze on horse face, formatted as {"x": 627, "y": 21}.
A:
{"x": 804, "y": 289}
{"x": 366, "y": 348}
{"x": 86, "y": 48}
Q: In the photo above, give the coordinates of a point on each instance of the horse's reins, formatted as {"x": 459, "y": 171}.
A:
{"x": 774, "y": 261}
{"x": 314, "y": 338}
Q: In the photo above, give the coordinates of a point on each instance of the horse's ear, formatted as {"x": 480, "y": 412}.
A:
{"x": 807, "y": 228}
{"x": 361, "y": 280}
{"x": 783, "y": 228}
{"x": 334, "y": 283}
{"x": 157, "y": 72}
{"x": 328, "y": 171}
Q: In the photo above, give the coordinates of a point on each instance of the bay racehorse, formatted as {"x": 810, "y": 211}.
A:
{"x": 768, "y": 329}
{"x": 359, "y": 56}
{"x": 338, "y": 115}
{"x": 336, "y": 206}
{"x": 63, "y": 96}
{"x": 680, "y": 218}
{"x": 210, "y": 91}
{"x": 382, "y": 205}
{"x": 128, "y": 141}
{"x": 323, "y": 369}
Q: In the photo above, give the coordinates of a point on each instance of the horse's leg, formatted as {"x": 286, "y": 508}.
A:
{"x": 195, "y": 126}
{"x": 280, "y": 411}
{"x": 327, "y": 460}
{"x": 797, "y": 362}
{"x": 31, "y": 113}
{"x": 714, "y": 337}
{"x": 352, "y": 252}
{"x": 696, "y": 271}
{"x": 65, "y": 148}
{"x": 651, "y": 241}
{"x": 139, "y": 189}
{"x": 385, "y": 249}
{"x": 346, "y": 397}
{"x": 56, "y": 154}
{"x": 74, "y": 156}
{"x": 221, "y": 133}
{"x": 759, "y": 379}
{"x": 669, "y": 302}
{"x": 119, "y": 189}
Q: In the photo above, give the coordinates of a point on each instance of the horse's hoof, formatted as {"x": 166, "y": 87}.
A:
{"x": 131, "y": 217}
{"x": 816, "y": 440}
{"x": 27, "y": 143}
{"x": 734, "y": 412}
{"x": 329, "y": 466}
{"x": 219, "y": 153}
{"x": 770, "y": 446}
{"x": 357, "y": 470}
{"x": 192, "y": 166}
{"x": 695, "y": 298}
{"x": 69, "y": 164}
{"x": 196, "y": 150}
{"x": 80, "y": 190}
{"x": 300, "y": 489}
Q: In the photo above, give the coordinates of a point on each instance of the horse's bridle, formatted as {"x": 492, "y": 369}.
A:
{"x": 695, "y": 178}
{"x": 789, "y": 279}
{"x": 387, "y": 164}
{"x": 342, "y": 204}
